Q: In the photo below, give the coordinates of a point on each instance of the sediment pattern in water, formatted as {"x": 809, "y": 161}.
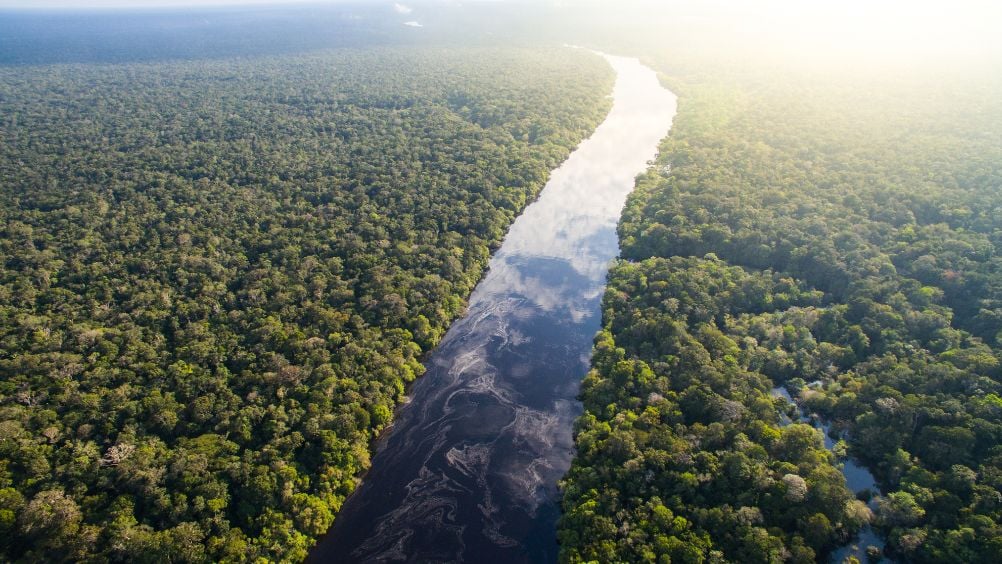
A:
{"x": 469, "y": 471}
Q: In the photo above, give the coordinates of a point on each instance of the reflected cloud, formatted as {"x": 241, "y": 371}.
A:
{"x": 575, "y": 217}
{"x": 470, "y": 468}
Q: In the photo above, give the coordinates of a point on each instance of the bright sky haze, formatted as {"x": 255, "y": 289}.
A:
{"x": 53, "y": 4}
{"x": 872, "y": 29}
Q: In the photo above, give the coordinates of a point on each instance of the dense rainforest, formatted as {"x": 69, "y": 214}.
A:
{"x": 217, "y": 278}
{"x": 840, "y": 236}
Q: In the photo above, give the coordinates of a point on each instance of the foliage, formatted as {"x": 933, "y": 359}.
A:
{"x": 797, "y": 230}
{"x": 217, "y": 278}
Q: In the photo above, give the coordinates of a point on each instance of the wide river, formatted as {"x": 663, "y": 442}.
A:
{"x": 469, "y": 470}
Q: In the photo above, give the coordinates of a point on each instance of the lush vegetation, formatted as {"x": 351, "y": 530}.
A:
{"x": 217, "y": 278}
{"x": 842, "y": 238}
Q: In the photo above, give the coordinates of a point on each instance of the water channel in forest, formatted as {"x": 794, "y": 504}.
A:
{"x": 469, "y": 470}
{"x": 858, "y": 479}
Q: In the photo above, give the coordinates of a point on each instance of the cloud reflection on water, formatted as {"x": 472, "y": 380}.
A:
{"x": 469, "y": 471}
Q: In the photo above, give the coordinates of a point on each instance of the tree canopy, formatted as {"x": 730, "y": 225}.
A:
{"x": 217, "y": 278}
{"x": 840, "y": 239}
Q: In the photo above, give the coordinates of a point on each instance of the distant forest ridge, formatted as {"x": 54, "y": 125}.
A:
{"x": 47, "y": 37}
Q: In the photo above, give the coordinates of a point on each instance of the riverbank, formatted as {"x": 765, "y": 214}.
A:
{"x": 469, "y": 470}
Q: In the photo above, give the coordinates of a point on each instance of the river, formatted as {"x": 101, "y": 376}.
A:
{"x": 469, "y": 470}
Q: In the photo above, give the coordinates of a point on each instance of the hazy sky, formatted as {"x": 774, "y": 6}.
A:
{"x": 889, "y": 27}
{"x": 142, "y": 3}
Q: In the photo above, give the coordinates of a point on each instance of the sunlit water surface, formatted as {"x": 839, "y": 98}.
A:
{"x": 469, "y": 471}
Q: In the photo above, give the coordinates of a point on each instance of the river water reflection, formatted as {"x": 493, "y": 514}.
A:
{"x": 469, "y": 471}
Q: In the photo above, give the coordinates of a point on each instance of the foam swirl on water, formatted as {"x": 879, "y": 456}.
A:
{"x": 469, "y": 470}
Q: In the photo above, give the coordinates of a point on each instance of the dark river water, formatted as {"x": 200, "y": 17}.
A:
{"x": 469, "y": 470}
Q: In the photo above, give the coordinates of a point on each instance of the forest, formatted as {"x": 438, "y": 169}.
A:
{"x": 835, "y": 234}
{"x": 217, "y": 278}
{"x": 224, "y": 255}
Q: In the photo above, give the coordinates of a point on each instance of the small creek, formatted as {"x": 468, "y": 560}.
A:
{"x": 857, "y": 479}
